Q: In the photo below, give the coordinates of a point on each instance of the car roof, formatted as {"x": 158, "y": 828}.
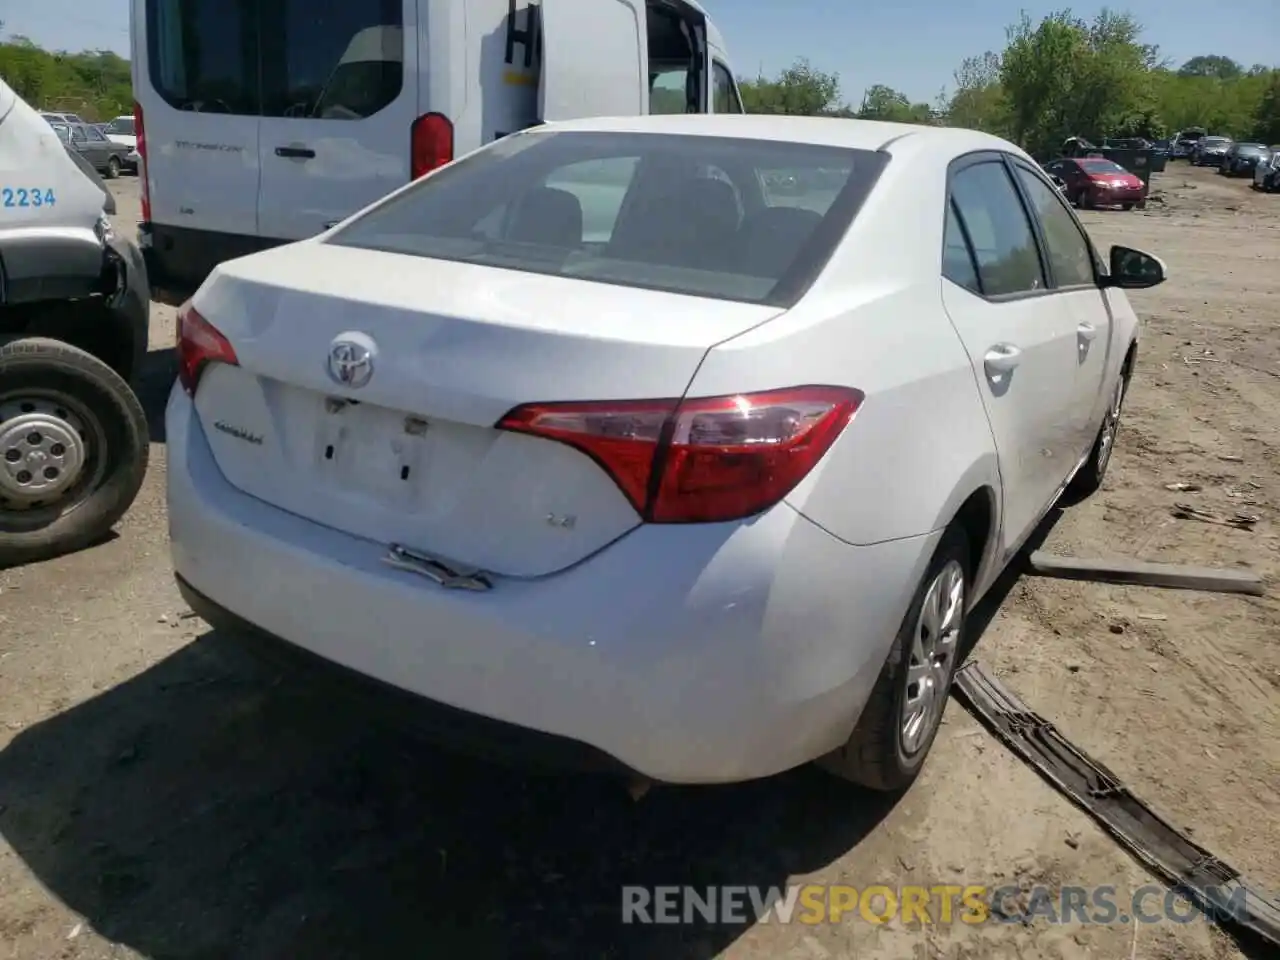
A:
{"x": 818, "y": 131}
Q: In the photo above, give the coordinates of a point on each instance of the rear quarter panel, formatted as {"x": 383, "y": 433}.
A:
{"x": 921, "y": 443}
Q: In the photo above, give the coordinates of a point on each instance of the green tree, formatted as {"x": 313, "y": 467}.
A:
{"x": 1218, "y": 67}
{"x": 799, "y": 90}
{"x": 884, "y": 103}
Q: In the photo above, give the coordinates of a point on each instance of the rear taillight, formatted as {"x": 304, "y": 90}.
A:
{"x": 700, "y": 460}
{"x": 430, "y": 143}
{"x": 140, "y": 132}
{"x": 199, "y": 344}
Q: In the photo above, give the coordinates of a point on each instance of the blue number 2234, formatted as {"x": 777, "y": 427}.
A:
{"x": 19, "y": 197}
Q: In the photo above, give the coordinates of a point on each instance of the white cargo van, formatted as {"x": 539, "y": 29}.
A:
{"x": 261, "y": 122}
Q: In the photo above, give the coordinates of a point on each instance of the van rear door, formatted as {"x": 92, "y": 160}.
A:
{"x": 340, "y": 94}
{"x": 595, "y": 59}
{"x": 195, "y": 75}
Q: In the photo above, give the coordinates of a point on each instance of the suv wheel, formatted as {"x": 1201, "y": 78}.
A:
{"x": 73, "y": 449}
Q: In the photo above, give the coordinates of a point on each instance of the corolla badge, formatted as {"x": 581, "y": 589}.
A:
{"x": 351, "y": 359}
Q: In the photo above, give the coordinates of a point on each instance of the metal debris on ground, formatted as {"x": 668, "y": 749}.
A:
{"x": 1226, "y": 897}
{"x": 1146, "y": 574}
{"x": 1241, "y": 521}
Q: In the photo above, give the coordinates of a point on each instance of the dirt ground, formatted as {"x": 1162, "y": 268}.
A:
{"x": 161, "y": 796}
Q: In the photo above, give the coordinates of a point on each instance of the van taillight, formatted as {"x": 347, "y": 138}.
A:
{"x": 140, "y": 133}
{"x": 431, "y": 143}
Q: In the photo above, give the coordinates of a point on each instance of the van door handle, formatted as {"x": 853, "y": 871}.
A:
{"x": 1086, "y": 331}
{"x": 1001, "y": 359}
{"x": 295, "y": 153}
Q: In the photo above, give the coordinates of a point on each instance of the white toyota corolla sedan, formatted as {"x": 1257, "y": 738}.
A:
{"x": 685, "y": 443}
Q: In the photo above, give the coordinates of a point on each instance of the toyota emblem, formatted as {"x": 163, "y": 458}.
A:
{"x": 350, "y": 363}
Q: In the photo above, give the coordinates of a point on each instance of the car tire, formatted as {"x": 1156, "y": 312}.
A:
{"x": 56, "y": 392}
{"x": 113, "y": 168}
{"x": 1089, "y": 478}
{"x": 881, "y": 753}
{"x": 1127, "y": 206}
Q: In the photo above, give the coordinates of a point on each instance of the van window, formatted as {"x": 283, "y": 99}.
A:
{"x": 668, "y": 91}
{"x": 202, "y": 54}
{"x": 331, "y": 59}
{"x": 319, "y": 58}
{"x": 635, "y": 210}
{"x": 725, "y": 94}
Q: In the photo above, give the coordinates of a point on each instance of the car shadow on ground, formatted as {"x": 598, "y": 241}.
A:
{"x": 209, "y": 808}
{"x": 159, "y": 370}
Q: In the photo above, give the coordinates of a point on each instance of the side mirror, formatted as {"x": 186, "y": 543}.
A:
{"x": 1133, "y": 270}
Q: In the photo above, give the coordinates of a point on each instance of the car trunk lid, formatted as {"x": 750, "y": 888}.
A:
{"x": 412, "y": 456}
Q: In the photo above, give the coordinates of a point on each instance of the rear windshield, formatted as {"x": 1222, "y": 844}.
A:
{"x": 1214, "y": 141}
{"x": 122, "y": 127}
{"x": 733, "y": 219}
{"x": 1251, "y": 149}
{"x": 1102, "y": 166}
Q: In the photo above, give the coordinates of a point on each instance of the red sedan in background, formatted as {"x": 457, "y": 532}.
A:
{"x": 1098, "y": 182}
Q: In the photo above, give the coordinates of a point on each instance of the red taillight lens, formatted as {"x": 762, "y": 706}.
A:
{"x": 431, "y": 143}
{"x": 700, "y": 460}
{"x": 199, "y": 344}
{"x": 140, "y": 132}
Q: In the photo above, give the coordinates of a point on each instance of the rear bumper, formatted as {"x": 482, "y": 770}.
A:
{"x": 179, "y": 258}
{"x": 1109, "y": 195}
{"x": 690, "y": 654}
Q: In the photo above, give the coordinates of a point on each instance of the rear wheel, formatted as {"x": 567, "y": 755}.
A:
{"x": 73, "y": 449}
{"x": 887, "y": 748}
{"x": 113, "y": 168}
{"x": 1127, "y": 206}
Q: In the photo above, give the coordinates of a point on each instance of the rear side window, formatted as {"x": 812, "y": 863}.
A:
{"x": 684, "y": 214}
{"x": 329, "y": 59}
{"x": 998, "y": 230}
{"x": 957, "y": 261}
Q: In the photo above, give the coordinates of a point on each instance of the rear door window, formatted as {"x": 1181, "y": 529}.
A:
{"x": 1003, "y": 243}
{"x": 203, "y": 54}
{"x": 684, "y": 214}
{"x": 281, "y": 58}
{"x": 331, "y": 59}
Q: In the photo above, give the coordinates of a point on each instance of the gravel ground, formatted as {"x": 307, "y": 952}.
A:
{"x": 161, "y": 796}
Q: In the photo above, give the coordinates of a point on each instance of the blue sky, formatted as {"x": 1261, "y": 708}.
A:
{"x": 911, "y": 45}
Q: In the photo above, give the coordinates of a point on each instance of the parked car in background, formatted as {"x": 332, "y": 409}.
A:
{"x": 598, "y": 489}
{"x": 1184, "y": 141}
{"x": 1241, "y": 158}
{"x": 1266, "y": 174}
{"x": 1126, "y": 143}
{"x": 1098, "y": 182}
{"x": 62, "y": 117}
{"x": 122, "y": 130}
{"x": 107, "y": 158}
{"x": 1209, "y": 151}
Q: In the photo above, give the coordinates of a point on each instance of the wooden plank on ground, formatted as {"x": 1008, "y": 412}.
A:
{"x": 1146, "y": 574}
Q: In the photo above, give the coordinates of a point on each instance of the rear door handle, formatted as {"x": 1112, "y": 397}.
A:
{"x": 1086, "y": 331}
{"x": 1001, "y": 359}
{"x": 295, "y": 153}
